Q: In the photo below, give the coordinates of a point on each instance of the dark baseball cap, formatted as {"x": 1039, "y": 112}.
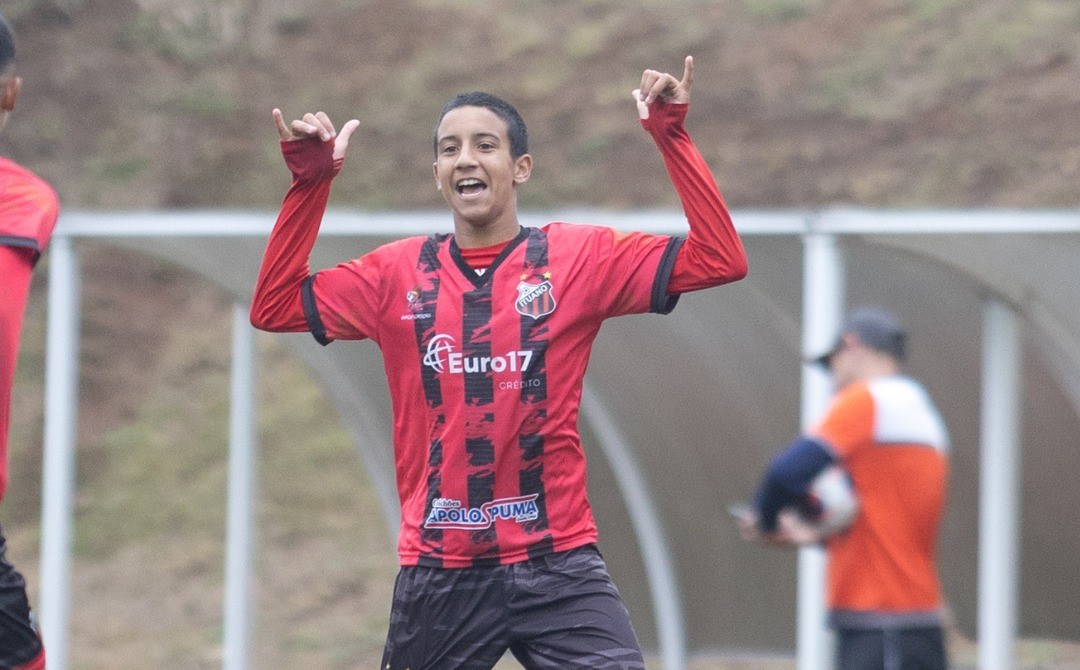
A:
{"x": 876, "y": 328}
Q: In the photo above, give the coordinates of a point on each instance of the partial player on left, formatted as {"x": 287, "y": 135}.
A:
{"x": 28, "y": 213}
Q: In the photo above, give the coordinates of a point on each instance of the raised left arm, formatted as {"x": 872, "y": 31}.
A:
{"x": 713, "y": 253}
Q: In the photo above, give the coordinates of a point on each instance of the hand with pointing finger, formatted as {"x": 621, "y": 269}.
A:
{"x": 316, "y": 125}
{"x": 662, "y": 85}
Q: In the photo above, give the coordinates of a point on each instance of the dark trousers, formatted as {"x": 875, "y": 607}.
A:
{"x": 890, "y": 649}
{"x": 19, "y": 641}
{"x": 559, "y": 611}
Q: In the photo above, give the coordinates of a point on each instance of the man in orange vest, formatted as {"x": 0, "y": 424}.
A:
{"x": 885, "y": 439}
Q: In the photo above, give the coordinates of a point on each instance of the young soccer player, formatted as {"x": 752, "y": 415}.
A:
{"x": 485, "y": 334}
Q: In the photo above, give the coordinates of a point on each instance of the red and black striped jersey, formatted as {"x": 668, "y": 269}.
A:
{"x": 485, "y": 374}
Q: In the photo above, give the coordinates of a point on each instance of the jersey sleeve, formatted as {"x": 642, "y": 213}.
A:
{"x": 28, "y": 210}
{"x": 848, "y": 424}
{"x": 787, "y": 480}
{"x": 343, "y": 303}
{"x": 628, "y": 272}
{"x": 713, "y": 253}
{"x": 278, "y": 303}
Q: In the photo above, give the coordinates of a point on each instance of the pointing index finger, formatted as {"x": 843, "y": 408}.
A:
{"x": 283, "y": 130}
{"x": 688, "y": 73}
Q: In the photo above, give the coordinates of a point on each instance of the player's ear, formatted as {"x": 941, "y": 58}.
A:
{"x": 435, "y": 169}
{"x": 9, "y": 91}
{"x": 522, "y": 168}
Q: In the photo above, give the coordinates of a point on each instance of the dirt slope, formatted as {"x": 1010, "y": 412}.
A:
{"x": 797, "y": 102}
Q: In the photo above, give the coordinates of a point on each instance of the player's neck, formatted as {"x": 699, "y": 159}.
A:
{"x": 481, "y": 258}
{"x": 469, "y": 235}
{"x": 869, "y": 372}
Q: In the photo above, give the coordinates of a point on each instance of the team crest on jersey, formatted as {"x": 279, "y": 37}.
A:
{"x": 535, "y": 296}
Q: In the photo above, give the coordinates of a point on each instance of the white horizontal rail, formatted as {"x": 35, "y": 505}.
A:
{"x": 839, "y": 221}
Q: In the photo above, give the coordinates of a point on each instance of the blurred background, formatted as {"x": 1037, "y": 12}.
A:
{"x": 165, "y": 104}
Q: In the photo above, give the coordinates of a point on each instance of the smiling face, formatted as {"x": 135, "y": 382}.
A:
{"x": 478, "y": 176}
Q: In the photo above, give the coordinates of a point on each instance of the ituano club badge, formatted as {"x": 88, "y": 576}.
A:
{"x": 535, "y": 296}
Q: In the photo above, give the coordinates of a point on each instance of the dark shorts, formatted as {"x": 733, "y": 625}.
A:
{"x": 890, "y": 649}
{"x": 19, "y": 641}
{"x": 556, "y": 611}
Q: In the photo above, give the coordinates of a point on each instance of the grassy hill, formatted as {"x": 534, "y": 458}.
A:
{"x": 147, "y": 104}
{"x": 141, "y": 103}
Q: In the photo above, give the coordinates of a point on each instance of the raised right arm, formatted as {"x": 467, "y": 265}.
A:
{"x": 314, "y": 154}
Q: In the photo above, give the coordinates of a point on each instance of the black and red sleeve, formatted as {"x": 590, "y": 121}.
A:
{"x": 713, "y": 253}
{"x": 278, "y": 303}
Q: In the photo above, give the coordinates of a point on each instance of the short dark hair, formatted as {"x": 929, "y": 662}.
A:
{"x": 7, "y": 44}
{"x": 515, "y": 125}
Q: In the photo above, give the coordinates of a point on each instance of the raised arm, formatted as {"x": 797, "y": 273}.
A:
{"x": 314, "y": 152}
{"x": 713, "y": 253}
